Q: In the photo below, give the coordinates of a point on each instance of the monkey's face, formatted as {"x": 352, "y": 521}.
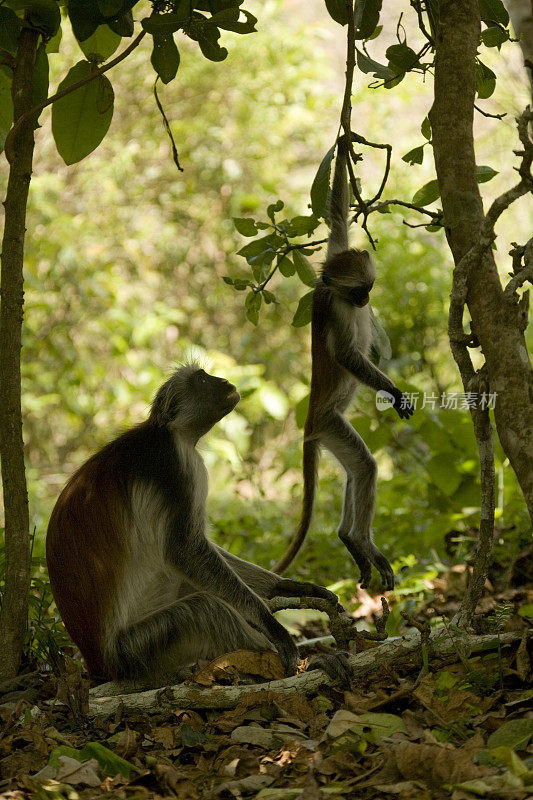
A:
{"x": 193, "y": 401}
{"x": 350, "y": 274}
{"x": 216, "y": 395}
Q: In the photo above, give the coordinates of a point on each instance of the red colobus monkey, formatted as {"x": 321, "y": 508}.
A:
{"x": 141, "y": 589}
{"x": 341, "y": 338}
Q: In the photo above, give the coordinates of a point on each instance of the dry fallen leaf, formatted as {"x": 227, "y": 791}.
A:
{"x": 265, "y": 665}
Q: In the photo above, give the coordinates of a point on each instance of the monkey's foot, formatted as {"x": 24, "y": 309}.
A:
{"x": 364, "y": 557}
{"x": 289, "y": 588}
{"x": 335, "y": 665}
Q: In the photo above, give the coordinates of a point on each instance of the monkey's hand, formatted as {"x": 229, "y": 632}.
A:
{"x": 403, "y": 407}
{"x": 289, "y": 588}
{"x": 335, "y": 665}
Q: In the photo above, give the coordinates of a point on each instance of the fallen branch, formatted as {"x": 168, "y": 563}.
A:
{"x": 403, "y": 652}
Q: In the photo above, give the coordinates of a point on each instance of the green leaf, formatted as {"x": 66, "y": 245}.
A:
{"x": 228, "y": 20}
{"x": 303, "y": 312}
{"x": 338, "y": 11}
{"x": 207, "y": 37}
{"x": 301, "y": 409}
{"x": 366, "y": 17}
{"x": 110, "y": 8}
{"x": 380, "y": 725}
{"x": 6, "y": 105}
{"x": 84, "y": 17}
{"x": 100, "y": 45}
{"x": 425, "y": 129}
{"x": 494, "y": 36}
{"x": 122, "y": 25}
{"x": 401, "y": 57}
{"x": 165, "y": 58}
{"x": 253, "y": 304}
{"x": 40, "y": 76}
{"x": 515, "y": 734}
{"x": 259, "y": 246}
{"x": 367, "y": 65}
{"x": 299, "y": 226}
{"x": 81, "y": 119}
{"x": 43, "y": 14}
{"x": 526, "y": 611}
{"x": 415, "y": 156}
{"x": 10, "y": 26}
{"x": 273, "y": 208}
{"x": 493, "y": 11}
{"x": 110, "y": 764}
{"x": 444, "y": 473}
{"x": 304, "y": 269}
{"x": 484, "y": 174}
{"x": 167, "y": 23}
{"x": 245, "y": 225}
{"x": 320, "y": 187}
{"x": 286, "y": 267}
{"x": 485, "y": 80}
{"x": 427, "y": 194}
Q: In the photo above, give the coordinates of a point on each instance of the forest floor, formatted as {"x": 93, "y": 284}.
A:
{"x": 458, "y": 727}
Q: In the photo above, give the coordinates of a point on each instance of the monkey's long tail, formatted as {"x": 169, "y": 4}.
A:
{"x": 310, "y": 465}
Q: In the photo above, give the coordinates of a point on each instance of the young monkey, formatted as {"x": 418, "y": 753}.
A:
{"x": 341, "y": 340}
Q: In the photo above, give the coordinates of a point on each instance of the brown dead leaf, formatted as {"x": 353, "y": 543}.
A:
{"x": 164, "y": 735}
{"x": 75, "y": 773}
{"x": 265, "y": 665}
{"x": 73, "y": 688}
{"x": 405, "y": 790}
{"x": 191, "y": 717}
{"x": 278, "y": 705}
{"x": 523, "y": 661}
{"x": 435, "y": 764}
{"x": 459, "y": 703}
{"x": 127, "y": 746}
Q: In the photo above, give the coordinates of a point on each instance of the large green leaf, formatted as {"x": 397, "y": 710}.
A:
{"x": 320, "y": 187}
{"x": 401, "y": 57}
{"x": 303, "y": 312}
{"x": 81, "y": 119}
{"x": 245, "y": 226}
{"x": 85, "y": 17}
{"x": 304, "y": 269}
{"x": 167, "y": 23}
{"x": 337, "y": 11}
{"x": 367, "y": 65}
{"x": 493, "y": 11}
{"x": 485, "y": 80}
{"x": 366, "y": 17}
{"x": 444, "y": 473}
{"x": 101, "y": 44}
{"x": 427, "y": 194}
{"x": 165, "y": 56}
{"x": 43, "y": 14}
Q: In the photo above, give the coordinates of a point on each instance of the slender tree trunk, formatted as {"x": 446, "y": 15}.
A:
{"x": 496, "y": 321}
{"x": 14, "y": 612}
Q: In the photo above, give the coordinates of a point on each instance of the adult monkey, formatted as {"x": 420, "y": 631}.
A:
{"x": 341, "y": 331}
{"x": 140, "y": 588}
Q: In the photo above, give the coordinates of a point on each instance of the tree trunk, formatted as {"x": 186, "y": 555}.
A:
{"x": 495, "y": 321}
{"x": 14, "y": 612}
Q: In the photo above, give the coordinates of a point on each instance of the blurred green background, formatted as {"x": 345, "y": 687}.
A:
{"x": 124, "y": 264}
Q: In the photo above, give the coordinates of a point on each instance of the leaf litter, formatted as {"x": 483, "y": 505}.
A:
{"x": 462, "y": 729}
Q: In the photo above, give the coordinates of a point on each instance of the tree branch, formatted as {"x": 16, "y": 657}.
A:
{"x": 402, "y": 652}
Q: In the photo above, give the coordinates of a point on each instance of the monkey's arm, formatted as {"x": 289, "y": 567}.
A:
{"x": 365, "y": 371}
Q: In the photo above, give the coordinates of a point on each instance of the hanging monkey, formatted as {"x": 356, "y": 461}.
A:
{"x": 141, "y": 589}
{"x": 341, "y": 332}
